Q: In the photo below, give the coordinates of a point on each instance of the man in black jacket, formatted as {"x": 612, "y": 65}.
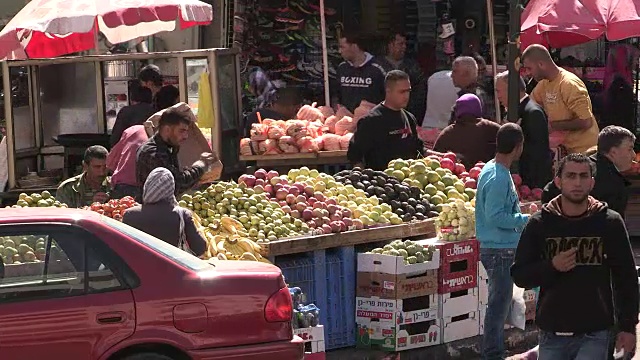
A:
{"x": 388, "y": 131}
{"x": 577, "y": 251}
{"x": 615, "y": 155}
{"x": 535, "y": 165}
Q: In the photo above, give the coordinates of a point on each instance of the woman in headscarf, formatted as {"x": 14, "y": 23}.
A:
{"x": 470, "y": 136}
{"x": 160, "y": 216}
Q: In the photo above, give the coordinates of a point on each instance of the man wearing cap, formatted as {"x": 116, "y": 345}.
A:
{"x": 470, "y": 136}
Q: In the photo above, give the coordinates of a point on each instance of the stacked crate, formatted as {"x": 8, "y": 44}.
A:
{"x": 397, "y": 304}
{"x": 458, "y": 291}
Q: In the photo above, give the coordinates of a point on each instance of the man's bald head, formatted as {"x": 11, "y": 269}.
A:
{"x": 537, "y": 61}
{"x": 464, "y": 72}
{"x": 537, "y": 52}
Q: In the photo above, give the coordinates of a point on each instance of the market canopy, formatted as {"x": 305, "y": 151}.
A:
{"x": 50, "y": 28}
{"x": 561, "y": 23}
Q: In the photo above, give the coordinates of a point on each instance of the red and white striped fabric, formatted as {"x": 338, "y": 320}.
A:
{"x": 49, "y": 28}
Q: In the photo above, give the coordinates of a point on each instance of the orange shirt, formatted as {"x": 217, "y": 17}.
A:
{"x": 567, "y": 98}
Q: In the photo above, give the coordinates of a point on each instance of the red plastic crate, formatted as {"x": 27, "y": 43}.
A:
{"x": 451, "y": 281}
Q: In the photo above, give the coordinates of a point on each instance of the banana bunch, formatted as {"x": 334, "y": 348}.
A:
{"x": 227, "y": 240}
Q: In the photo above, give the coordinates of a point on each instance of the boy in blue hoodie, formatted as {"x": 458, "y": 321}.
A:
{"x": 499, "y": 223}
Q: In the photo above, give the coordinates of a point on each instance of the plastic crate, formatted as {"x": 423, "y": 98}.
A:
{"x": 333, "y": 291}
{"x": 302, "y": 270}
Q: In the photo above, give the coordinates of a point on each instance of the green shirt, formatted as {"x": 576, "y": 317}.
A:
{"x": 76, "y": 194}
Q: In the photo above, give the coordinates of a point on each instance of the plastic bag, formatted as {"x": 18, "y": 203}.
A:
{"x": 345, "y": 125}
{"x": 310, "y": 113}
{"x": 344, "y": 141}
{"x": 206, "y": 117}
{"x": 330, "y": 123}
{"x": 258, "y": 132}
{"x": 518, "y": 309}
{"x": 331, "y": 142}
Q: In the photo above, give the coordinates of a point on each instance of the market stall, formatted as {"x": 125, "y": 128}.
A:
{"x": 67, "y": 104}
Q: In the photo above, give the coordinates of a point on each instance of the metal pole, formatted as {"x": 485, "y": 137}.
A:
{"x": 325, "y": 57}
{"x": 514, "y": 59}
{"x": 494, "y": 58}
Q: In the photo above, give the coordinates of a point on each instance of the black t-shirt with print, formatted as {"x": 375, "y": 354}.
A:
{"x": 384, "y": 135}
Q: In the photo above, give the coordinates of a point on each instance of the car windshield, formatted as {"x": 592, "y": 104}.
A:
{"x": 179, "y": 256}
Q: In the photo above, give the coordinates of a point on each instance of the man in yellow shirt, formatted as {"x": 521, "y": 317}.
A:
{"x": 564, "y": 98}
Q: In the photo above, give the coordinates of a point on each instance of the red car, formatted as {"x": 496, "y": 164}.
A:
{"x": 78, "y": 285}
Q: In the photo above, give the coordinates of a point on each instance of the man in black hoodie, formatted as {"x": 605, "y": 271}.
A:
{"x": 577, "y": 251}
{"x": 615, "y": 154}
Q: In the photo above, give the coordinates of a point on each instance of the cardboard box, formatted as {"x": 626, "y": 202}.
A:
{"x": 459, "y": 274}
{"x": 386, "y": 264}
{"x": 313, "y": 339}
{"x": 460, "y": 302}
{"x": 451, "y": 251}
{"x": 397, "y": 312}
{"x": 460, "y": 327}
{"x": 385, "y": 336}
{"x": 389, "y": 286}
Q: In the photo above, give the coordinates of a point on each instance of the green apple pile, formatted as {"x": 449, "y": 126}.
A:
{"x": 456, "y": 221}
{"x": 43, "y": 199}
{"x": 22, "y": 249}
{"x": 411, "y": 252}
{"x": 439, "y": 184}
{"x": 262, "y": 218}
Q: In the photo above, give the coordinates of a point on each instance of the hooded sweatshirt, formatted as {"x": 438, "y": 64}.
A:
{"x": 580, "y": 300}
{"x": 364, "y": 82}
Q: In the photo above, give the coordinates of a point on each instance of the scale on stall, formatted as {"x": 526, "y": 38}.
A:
{"x": 70, "y": 103}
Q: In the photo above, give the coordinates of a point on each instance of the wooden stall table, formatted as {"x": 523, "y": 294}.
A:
{"x": 323, "y": 160}
{"x": 302, "y": 244}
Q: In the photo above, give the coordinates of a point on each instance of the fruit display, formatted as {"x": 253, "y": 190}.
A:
{"x": 43, "y": 199}
{"x": 114, "y": 208}
{"x": 261, "y": 218}
{"x": 23, "y": 249}
{"x": 306, "y": 199}
{"x": 456, "y": 221}
{"x": 304, "y": 315}
{"x": 441, "y": 178}
{"x": 525, "y": 193}
{"x": 400, "y": 201}
{"x": 411, "y": 252}
{"x": 227, "y": 240}
{"x": 310, "y": 133}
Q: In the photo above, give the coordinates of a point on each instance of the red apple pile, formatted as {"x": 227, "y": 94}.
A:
{"x": 301, "y": 201}
{"x": 525, "y": 193}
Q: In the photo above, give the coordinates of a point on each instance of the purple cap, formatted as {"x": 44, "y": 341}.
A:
{"x": 468, "y": 104}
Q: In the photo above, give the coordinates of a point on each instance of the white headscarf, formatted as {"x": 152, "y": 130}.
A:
{"x": 159, "y": 186}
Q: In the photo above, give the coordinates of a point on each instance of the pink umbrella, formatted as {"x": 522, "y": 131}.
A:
{"x": 50, "y": 28}
{"x": 623, "y": 19}
{"x": 560, "y": 23}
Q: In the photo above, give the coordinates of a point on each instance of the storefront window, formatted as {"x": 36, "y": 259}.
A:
{"x": 195, "y": 68}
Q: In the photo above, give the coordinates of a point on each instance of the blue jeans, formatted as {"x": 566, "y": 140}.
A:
{"x": 590, "y": 346}
{"x": 498, "y": 263}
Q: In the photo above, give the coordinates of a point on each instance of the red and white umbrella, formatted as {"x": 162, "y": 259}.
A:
{"x": 50, "y": 28}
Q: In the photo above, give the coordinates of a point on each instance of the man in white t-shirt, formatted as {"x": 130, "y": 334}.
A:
{"x": 441, "y": 96}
